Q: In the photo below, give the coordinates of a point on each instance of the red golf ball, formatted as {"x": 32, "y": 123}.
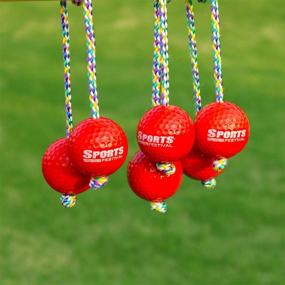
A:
{"x": 98, "y": 147}
{"x": 222, "y": 130}
{"x": 165, "y": 133}
{"x": 199, "y": 166}
{"x": 149, "y": 183}
{"x": 59, "y": 171}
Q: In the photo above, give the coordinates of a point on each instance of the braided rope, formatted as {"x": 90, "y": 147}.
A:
{"x": 156, "y": 65}
{"x": 66, "y": 63}
{"x": 210, "y": 184}
{"x": 91, "y": 58}
{"x": 160, "y": 207}
{"x": 190, "y": 16}
{"x": 167, "y": 168}
{"x": 220, "y": 164}
{"x": 165, "y": 53}
{"x": 68, "y": 201}
{"x": 218, "y": 76}
{"x": 98, "y": 182}
{"x": 160, "y": 69}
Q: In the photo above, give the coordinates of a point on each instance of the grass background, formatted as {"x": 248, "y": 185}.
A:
{"x": 234, "y": 235}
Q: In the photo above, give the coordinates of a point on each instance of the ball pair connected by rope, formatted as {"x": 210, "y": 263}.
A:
{"x": 162, "y": 131}
{"x": 222, "y": 128}
{"x": 96, "y": 147}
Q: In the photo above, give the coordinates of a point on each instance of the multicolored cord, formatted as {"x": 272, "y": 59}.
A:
{"x": 96, "y": 182}
{"x": 156, "y": 66}
{"x": 221, "y": 163}
{"x": 210, "y": 184}
{"x": 218, "y": 76}
{"x": 163, "y": 31}
{"x": 91, "y": 58}
{"x": 68, "y": 201}
{"x": 190, "y": 16}
{"x": 66, "y": 63}
{"x": 167, "y": 168}
{"x": 160, "y": 207}
{"x": 160, "y": 68}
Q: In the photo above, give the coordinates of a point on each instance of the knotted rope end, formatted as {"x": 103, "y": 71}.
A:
{"x": 160, "y": 207}
{"x": 68, "y": 201}
{"x": 98, "y": 182}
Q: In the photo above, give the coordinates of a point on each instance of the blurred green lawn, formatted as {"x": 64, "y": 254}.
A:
{"x": 234, "y": 235}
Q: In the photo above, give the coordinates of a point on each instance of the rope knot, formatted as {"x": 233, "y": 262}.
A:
{"x": 98, "y": 182}
{"x": 167, "y": 168}
{"x": 160, "y": 207}
{"x": 68, "y": 201}
{"x": 220, "y": 164}
{"x": 210, "y": 184}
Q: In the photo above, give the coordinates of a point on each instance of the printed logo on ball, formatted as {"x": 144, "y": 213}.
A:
{"x": 103, "y": 155}
{"x": 155, "y": 141}
{"x": 226, "y": 136}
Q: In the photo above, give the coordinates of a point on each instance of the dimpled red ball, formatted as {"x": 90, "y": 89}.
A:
{"x": 149, "y": 183}
{"x": 59, "y": 171}
{"x": 222, "y": 130}
{"x": 165, "y": 133}
{"x": 199, "y": 166}
{"x": 98, "y": 147}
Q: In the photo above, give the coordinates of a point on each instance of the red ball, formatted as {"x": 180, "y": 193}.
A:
{"x": 149, "y": 183}
{"x": 59, "y": 171}
{"x": 199, "y": 166}
{"x": 222, "y": 130}
{"x": 98, "y": 147}
{"x": 165, "y": 133}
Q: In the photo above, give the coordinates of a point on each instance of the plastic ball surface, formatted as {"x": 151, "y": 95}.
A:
{"x": 98, "y": 147}
{"x": 199, "y": 166}
{"x": 149, "y": 183}
{"x": 59, "y": 171}
{"x": 222, "y": 129}
{"x": 166, "y": 133}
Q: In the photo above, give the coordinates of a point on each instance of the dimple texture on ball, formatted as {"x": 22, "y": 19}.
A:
{"x": 59, "y": 171}
{"x": 165, "y": 133}
{"x": 222, "y": 129}
{"x": 149, "y": 183}
{"x": 98, "y": 147}
{"x": 199, "y": 166}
